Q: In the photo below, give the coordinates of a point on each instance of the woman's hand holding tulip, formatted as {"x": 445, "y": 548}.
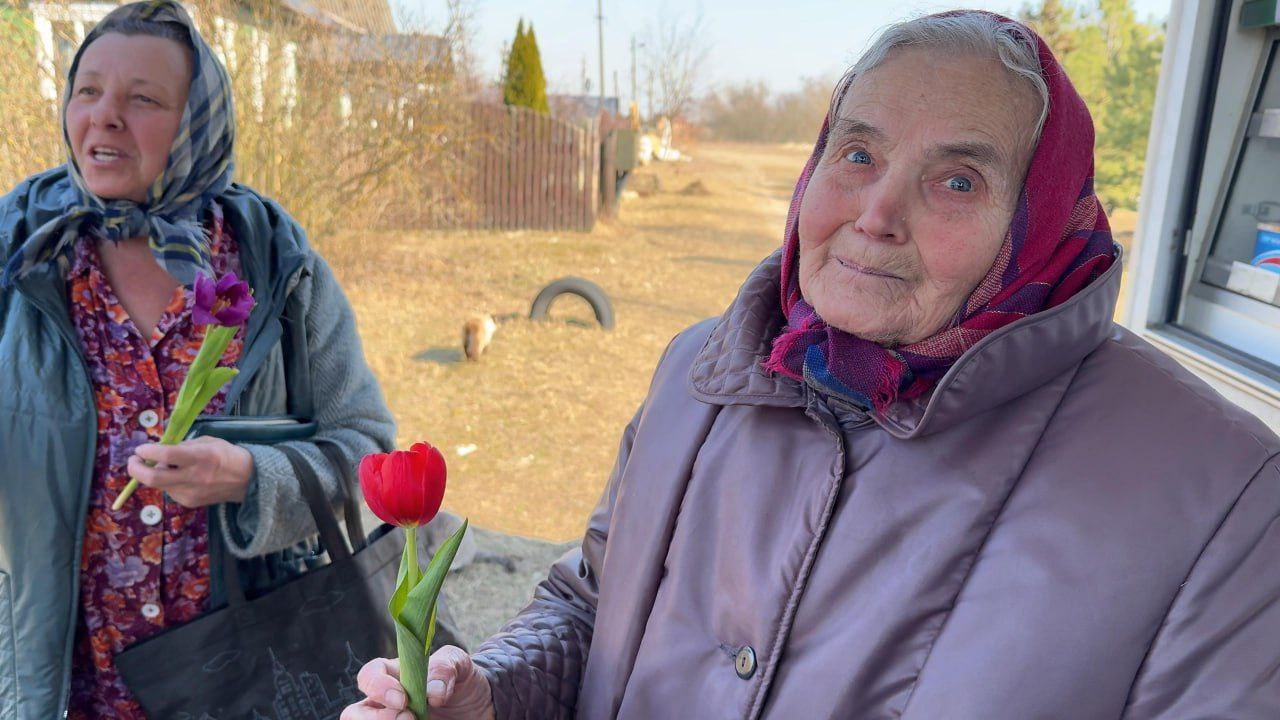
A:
{"x": 456, "y": 690}
{"x": 222, "y": 308}
{"x": 196, "y": 473}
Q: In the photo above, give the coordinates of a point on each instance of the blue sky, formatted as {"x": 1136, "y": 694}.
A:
{"x": 777, "y": 41}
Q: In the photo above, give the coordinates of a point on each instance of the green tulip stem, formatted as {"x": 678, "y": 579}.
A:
{"x": 204, "y": 379}
{"x": 413, "y": 607}
{"x": 411, "y": 555}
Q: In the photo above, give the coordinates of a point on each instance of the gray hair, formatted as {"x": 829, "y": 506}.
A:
{"x": 964, "y": 31}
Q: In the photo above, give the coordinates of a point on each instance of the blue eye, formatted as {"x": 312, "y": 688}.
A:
{"x": 858, "y": 157}
{"x": 960, "y": 184}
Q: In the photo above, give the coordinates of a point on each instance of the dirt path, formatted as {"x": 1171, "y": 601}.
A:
{"x": 545, "y": 406}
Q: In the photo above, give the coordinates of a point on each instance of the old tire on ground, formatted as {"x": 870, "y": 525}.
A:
{"x": 584, "y": 289}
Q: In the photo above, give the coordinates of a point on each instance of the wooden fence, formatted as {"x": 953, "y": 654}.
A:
{"x": 530, "y": 171}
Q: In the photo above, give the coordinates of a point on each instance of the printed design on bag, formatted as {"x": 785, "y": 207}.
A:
{"x": 304, "y": 696}
{"x": 301, "y": 696}
{"x": 323, "y": 602}
{"x": 220, "y": 661}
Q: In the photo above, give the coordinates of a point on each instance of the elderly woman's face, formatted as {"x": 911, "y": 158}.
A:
{"x": 912, "y": 198}
{"x": 125, "y": 110}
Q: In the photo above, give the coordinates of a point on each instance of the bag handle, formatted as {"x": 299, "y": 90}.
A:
{"x": 231, "y": 579}
{"x": 326, "y": 523}
{"x": 330, "y": 536}
{"x": 350, "y": 501}
{"x": 301, "y": 404}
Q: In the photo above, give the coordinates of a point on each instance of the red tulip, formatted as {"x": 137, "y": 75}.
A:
{"x": 404, "y": 488}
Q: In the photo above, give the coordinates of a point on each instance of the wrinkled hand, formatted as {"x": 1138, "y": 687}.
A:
{"x": 456, "y": 690}
{"x": 195, "y": 473}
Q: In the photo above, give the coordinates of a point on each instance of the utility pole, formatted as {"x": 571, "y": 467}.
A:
{"x": 600, "y": 26}
{"x": 634, "y": 99}
{"x": 617, "y": 96}
{"x": 650, "y": 94}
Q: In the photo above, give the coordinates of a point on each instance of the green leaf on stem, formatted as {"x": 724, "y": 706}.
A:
{"x": 422, "y": 599}
{"x": 184, "y": 415}
{"x": 414, "y": 614}
{"x": 204, "y": 379}
{"x": 406, "y": 578}
{"x": 212, "y": 348}
{"x": 413, "y": 670}
{"x": 213, "y": 382}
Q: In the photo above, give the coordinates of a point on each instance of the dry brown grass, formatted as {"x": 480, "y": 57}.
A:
{"x": 547, "y": 403}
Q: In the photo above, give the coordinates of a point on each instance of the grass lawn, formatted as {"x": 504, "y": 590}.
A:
{"x": 547, "y": 403}
{"x": 545, "y": 406}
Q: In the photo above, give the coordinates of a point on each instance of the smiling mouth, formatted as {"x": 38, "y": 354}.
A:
{"x": 849, "y": 265}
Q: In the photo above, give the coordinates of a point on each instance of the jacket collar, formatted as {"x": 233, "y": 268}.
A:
{"x": 1004, "y": 365}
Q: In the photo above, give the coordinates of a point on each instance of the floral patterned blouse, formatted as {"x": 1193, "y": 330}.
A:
{"x": 144, "y": 567}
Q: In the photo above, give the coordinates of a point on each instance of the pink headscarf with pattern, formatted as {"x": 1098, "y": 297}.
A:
{"x": 1057, "y": 243}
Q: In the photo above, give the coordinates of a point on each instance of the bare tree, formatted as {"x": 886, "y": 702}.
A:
{"x": 748, "y": 111}
{"x": 460, "y": 30}
{"x": 675, "y": 53}
{"x": 456, "y": 29}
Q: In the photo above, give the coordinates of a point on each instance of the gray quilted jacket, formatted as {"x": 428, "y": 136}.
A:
{"x": 1070, "y": 526}
{"x": 48, "y": 431}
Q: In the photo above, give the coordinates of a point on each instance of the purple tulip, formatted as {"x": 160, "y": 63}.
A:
{"x": 225, "y": 303}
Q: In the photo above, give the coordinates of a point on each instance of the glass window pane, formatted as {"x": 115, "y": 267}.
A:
{"x": 1249, "y": 225}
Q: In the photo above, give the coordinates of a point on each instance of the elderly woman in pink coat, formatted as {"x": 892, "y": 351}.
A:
{"x": 914, "y": 470}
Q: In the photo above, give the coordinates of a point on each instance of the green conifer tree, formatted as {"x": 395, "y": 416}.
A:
{"x": 524, "y": 84}
{"x": 537, "y": 81}
{"x": 513, "y": 78}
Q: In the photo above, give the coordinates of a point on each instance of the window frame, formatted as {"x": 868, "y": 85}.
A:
{"x": 1166, "y": 284}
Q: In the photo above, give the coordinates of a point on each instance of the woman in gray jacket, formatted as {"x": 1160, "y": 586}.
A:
{"x": 96, "y": 334}
{"x": 915, "y": 470}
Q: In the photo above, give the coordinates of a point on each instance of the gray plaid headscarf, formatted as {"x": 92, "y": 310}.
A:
{"x": 199, "y": 169}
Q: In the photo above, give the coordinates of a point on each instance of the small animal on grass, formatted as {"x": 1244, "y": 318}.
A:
{"x": 477, "y": 333}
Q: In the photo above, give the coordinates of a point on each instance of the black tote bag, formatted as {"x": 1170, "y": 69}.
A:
{"x": 290, "y": 654}
{"x": 293, "y": 652}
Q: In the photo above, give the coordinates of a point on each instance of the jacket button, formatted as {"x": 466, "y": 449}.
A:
{"x": 745, "y": 663}
{"x": 150, "y": 611}
{"x": 148, "y": 419}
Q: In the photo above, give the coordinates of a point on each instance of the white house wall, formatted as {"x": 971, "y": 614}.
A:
{"x": 222, "y": 36}
{"x": 81, "y": 16}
